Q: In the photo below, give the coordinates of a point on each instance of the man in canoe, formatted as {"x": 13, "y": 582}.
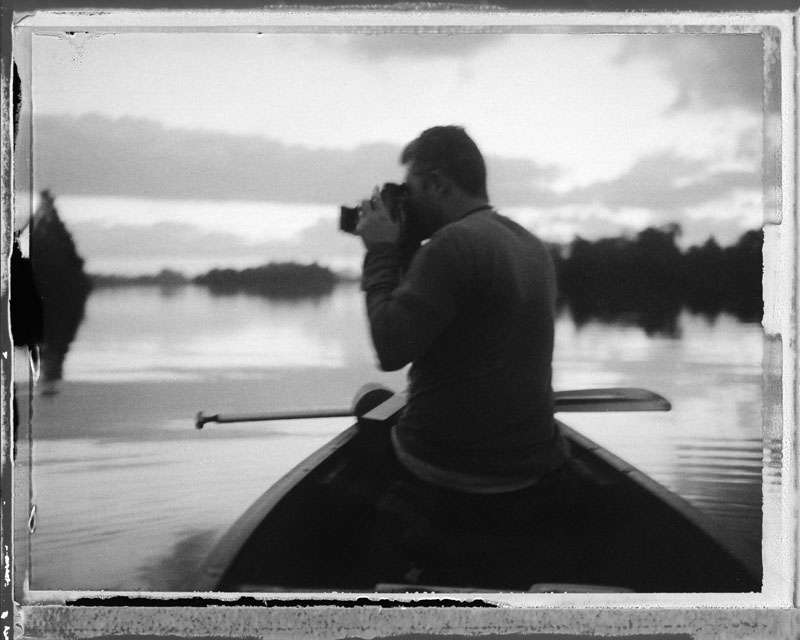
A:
{"x": 467, "y": 297}
{"x": 473, "y": 314}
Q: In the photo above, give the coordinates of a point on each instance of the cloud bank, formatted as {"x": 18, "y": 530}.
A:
{"x": 96, "y": 156}
{"x": 136, "y": 157}
{"x": 709, "y": 71}
{"x": 666, "y": 182}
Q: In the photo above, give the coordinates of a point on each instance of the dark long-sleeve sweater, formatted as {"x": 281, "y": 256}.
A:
{"x": 474, "y": 314}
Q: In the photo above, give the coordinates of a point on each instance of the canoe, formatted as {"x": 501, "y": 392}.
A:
{"x": 313, "y": 532}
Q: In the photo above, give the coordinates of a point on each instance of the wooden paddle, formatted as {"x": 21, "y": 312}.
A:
{"x": 616, "y": 399}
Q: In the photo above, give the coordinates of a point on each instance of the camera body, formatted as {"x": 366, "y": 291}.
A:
{"x": 393, "y": 195}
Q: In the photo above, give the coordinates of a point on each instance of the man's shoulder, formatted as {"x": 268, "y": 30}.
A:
{"x": 472, "y": 225}
{"x": 491, "y": 226}
{"x": 452, "y": 234}
{"x": 484, "y": 230}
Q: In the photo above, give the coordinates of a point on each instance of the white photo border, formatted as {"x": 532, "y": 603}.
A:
{"x": 771, "y": 613}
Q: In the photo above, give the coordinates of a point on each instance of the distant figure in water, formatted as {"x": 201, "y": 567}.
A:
{"x": 63, "y": 287}
{"x": 25, "y": 316}
{"x": 467, "y": 297}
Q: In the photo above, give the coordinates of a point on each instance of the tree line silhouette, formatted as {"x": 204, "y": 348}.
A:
{"x": 648, "y": 279}
{"x": 276, "y": 279}
{"x": 273, "y": 280}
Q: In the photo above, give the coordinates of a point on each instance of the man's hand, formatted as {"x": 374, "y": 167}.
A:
{"x": 376, "y": 225}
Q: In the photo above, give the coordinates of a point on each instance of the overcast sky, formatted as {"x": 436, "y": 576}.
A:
{"x": 584, "y": 134}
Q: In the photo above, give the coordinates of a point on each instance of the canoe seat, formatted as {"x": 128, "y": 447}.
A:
{"x": 543, "y": 536}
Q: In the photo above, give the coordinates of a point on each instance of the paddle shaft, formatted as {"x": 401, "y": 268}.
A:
{"x": 227, "y": 418}
{"x": 582, "y": 400}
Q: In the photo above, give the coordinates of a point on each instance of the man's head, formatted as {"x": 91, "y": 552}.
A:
{"x": 446, "y": 176}
{"x": 450, "y": 152}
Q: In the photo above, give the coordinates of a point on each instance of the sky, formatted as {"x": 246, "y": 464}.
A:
{"x": 167, "y": 149}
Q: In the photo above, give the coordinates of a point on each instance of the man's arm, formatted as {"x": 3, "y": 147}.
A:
{"x": 406, "y": 311}
{"x": 402, "y": 325}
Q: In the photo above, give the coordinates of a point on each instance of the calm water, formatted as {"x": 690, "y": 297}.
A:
{"x": 129, "y": 495}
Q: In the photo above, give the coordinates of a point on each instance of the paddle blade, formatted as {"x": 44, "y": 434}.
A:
{"x": 619, "y": 399}
{"x": 386, "y": 410}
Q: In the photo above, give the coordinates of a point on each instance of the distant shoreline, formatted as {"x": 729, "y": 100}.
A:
{"x": 647, "y": 276}
{"x": 275, "y": 277}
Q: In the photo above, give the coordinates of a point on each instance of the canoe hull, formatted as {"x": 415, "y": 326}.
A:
{"x": 315, "y": 531}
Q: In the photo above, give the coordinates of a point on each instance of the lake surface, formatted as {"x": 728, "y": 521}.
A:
{"x": 130, "y": 496}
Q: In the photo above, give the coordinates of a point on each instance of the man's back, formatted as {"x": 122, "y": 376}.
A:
{"x": 480, "y": 410}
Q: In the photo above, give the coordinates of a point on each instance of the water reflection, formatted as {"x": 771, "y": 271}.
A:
{"x": 194, "y": 331}
{"x": 115, "y": 515}
{"x": 143, "y": 364}
{"x": 167, "y": 291}
{"x": 179, "y": 568}
{"x": 721, "y": 476}
{"x": 657, "y": 315}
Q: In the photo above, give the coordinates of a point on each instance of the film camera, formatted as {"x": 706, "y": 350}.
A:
{"x": 392, "y": 195}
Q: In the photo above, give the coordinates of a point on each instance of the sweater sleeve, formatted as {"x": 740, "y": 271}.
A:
{"x": 408, "y": 312}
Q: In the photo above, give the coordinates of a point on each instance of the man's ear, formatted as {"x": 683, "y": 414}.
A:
{"x": 440, "y": 184}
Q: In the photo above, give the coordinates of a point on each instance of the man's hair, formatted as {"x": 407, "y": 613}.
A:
{"x": 452, "y": 152}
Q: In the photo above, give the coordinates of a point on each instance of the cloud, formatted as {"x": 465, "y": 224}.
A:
{"x": 137, "y": 157}
{"x": 519, "y": 181}
{"x": 132, "y": 159}
{"x": 161, "y": 239}
{"x": 709, "y": 71}
{"x": 750, "y": 145}
{"x": 165, "y": 242}
{"x": 95, "y": 155}
{"x": 666, "y": 182}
